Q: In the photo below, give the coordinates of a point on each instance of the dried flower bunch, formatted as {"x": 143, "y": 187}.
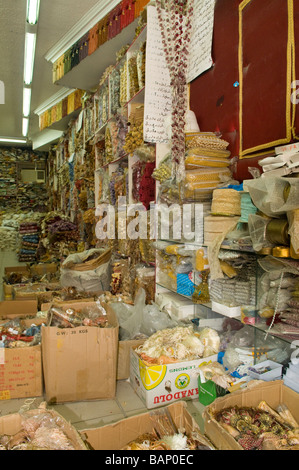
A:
{"x": 175, "y": 21}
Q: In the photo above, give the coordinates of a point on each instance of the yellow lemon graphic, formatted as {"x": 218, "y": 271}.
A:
{"x": 152, "y": 376}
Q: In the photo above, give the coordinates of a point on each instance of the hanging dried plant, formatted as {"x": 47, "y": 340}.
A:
{"x": 175, "y": 21}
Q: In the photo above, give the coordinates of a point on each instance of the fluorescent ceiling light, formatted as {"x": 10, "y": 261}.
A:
{"x": 32, "y": 11}
{"x": 26, "y": 101}
{"x": 13, "y": 140}
{"x": 30, "y": 41}
{"x": 25, "y": 126}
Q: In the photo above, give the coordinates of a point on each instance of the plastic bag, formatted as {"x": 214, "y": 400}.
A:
{"x": 274, "y": 196}
{"x": 140, "y": 320}
{"x": 96, "y": 279}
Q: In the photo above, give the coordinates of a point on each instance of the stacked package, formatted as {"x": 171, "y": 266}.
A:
{"x": 32, "y": 196}
{"x": 225, "y": 214}
{"x": 284, "y": 162}
{"x": 207, "y": 165}
{"x": 59, "y": 237}
{"x": 29, "y": 238}
{"x": 238, "y": 287}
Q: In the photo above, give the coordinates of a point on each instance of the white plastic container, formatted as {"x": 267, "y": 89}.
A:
{"x": 290, "y": 374}
{"x": 291, "y": 384}
{"x": 232, "y": 312}
{"x": 274, "y": 373}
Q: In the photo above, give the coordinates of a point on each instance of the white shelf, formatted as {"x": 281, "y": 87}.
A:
{"x": 87, "y": 74}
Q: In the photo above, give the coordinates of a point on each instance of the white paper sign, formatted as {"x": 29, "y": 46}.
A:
{"x": 200, "y": 58}
{"x": 157, "y": 104}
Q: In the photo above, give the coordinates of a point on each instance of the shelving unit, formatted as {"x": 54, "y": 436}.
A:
{"x": 116, "y": 98}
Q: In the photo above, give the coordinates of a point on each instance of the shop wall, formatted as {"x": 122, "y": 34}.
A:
{"x": 246, "y": 95}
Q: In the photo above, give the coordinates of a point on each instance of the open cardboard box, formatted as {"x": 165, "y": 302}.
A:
{"x": 80, "y": 363}
{"x": 8, "y": 288}
{"x": 115, "y": 436}
{"x": 124, "y": 347}
{"x": 158, "y": 385}
{"x": 12, "y": 424}
{"x": 273, "y": 393}
{"x": 20, "y": 368}
{"x": 34, "y": 270}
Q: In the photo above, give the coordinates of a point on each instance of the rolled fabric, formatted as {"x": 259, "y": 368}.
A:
{"x": 226, "y": 202}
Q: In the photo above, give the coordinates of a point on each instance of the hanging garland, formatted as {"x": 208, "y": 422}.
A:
{"x": 175, "y": 21}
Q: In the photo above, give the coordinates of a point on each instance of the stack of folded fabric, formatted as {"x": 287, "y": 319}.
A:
{"x": 29, "y": 235}
{"x": 207, "y": 165}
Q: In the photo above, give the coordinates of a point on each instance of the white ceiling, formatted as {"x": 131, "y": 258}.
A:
{"x": 55, "y": 19}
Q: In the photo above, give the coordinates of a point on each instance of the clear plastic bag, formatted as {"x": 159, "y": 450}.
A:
{"x": 140, "y": 320}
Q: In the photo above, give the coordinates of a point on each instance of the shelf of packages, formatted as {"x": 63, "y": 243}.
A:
{"x": 262, "y": 328}
{"x": 253, "y": 318}
{"x": 86, "y": 74}
{"x": 137, "y": 98}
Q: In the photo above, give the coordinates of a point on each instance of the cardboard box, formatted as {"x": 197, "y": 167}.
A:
{"x": 44, "y": 268}
{"x": 8, "y": 288}
{"x": 17, "y": 308}
{"x": 12, "y": 424}
{"x": 115, "y": 436}
{"x": 273, "y": 393}
{"x": 20, "y": 368}
{"x": 35, "y": 270}
{"x": 161, "y": 384}
{"x": 80, "y": 363}
{"x": 21, "y": 373}
{"x": 123, "y": 361}
{"x": 33, "y": 291}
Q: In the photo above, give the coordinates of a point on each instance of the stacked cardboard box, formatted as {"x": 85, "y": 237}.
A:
{"x": 21, "y": 367}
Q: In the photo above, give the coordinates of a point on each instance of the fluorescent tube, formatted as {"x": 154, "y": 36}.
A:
{"x": 30, "y": 40}
{"x": 32, "y": 11}
{"x": 12, "y": 140}
{"x": 25, "y": 126}
{"x": 26, "y": 101}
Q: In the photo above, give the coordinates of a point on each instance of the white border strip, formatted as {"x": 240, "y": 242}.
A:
{"x": 87, "y": 22}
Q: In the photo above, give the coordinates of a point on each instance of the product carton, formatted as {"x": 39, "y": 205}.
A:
{"x": 20, "y": 368}
{"x": 117, "y": 435}
{"x": 273, "y": 393}
{"x": 158, "y": 385}
{"x": 11, "y": 424}
{"x": 80, "y": 363}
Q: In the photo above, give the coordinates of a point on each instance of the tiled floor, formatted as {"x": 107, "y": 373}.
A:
{"x": 93, "y": 414}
